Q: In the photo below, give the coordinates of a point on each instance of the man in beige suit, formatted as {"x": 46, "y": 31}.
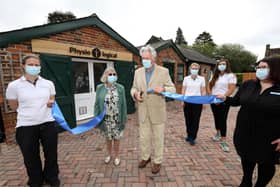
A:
{"x": 151, "y": 106}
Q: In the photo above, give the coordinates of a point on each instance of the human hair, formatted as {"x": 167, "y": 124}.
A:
{"x": 194, "y": 64}
{"x": 25, "y": 58}
{"x": 217, "y": 72}
{"x": 148, "y": 48}
{"x": 105, "y": 74}
{"x": 273, "y": 63}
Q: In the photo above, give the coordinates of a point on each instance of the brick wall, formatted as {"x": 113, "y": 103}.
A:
{"x": 87, "y": 36}
{"x": 169, "y": 54}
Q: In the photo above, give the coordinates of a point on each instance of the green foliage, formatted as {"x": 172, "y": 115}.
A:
{"x": 239, "y": 78}
{"x": 180, "y": 39}
{"x": 205, "y": 44}
{"x": 204, "y": 38}
{"x": 240, "y": 59}
{"x": 58, "y": 16}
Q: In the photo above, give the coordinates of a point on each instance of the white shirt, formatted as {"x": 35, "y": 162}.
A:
{"x": 32, "y": 100}
{"x": 193, "y": 86}
{"x": 221, "y": 85}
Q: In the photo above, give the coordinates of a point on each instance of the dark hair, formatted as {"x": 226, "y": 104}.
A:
{"x": 273, "y": 63}
{"x": 217, "y": 72}
{"x": 25, "y": 58}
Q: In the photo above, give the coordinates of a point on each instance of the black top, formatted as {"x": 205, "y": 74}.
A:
{"x": 258, "y": 121}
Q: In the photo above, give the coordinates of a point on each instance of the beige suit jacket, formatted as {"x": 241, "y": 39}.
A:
{"x": 153, "y": 106}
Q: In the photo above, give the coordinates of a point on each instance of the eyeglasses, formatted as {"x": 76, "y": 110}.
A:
{"x": 260, "y": 67}
{"x": 110, "y": 74}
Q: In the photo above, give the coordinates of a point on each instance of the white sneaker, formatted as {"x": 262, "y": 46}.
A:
{"x": 107, "y": 159}
{"x": 216, "y": 138}
{"x": 117, "y": 161}
{"x": 224, "y": 146}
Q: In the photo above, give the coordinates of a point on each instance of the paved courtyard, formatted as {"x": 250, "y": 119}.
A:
{"x": 81, "y": 158}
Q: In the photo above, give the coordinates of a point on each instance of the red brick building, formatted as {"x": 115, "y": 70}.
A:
{"x": 271, "y": 51}
{"x": 73, "y": 55}
{"x": 177, "y": 59}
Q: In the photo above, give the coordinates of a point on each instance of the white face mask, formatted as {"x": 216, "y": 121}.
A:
{"x": 147, "y": 63}
{"x": 262, "y": 73}
{"x": 32, "y": 70}
{"x": 222, "y": 67}
{"x": 194, "y": 71}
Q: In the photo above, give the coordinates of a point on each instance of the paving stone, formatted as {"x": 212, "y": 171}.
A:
{"x": 81, "y": 158}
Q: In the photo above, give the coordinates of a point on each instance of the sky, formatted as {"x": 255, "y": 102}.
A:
{"x": 251, "y": 23}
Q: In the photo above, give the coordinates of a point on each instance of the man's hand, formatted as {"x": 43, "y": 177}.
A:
{"x": 138, "y": 96}
{"x": 158, "y": 89}
{"x": 278, "y": 144}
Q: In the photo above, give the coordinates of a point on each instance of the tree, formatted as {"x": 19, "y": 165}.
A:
{"x": 58, "y": 16}
{"x": 205, "y": 44}
{"x": 180, "y": 39}
{"x": 241, "y": 60}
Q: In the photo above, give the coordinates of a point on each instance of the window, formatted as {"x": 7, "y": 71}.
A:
{"x": 180, "y": 72}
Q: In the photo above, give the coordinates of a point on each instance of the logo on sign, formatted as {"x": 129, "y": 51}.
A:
{"x": 96, "y": 53}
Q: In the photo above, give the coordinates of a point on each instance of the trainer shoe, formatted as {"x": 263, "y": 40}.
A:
{"x": 216, "y": 138}
{"x": 107, "y": 159}
{"x": 224, "y": 146}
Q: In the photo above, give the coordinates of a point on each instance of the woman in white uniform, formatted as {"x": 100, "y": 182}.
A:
{"x": 222, "y": 83}
{"x": 32, "y": 97}
{"x": 193, "y": 85}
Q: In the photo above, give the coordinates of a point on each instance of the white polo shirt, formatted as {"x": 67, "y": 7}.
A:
{"x": 193, "y": 86}
{"x": 32, "y": 100}
{"x": 221, "y": 85}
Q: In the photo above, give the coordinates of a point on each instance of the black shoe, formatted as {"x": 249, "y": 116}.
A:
{"x": 246, "y": 184}
{"x": 187, "y": 139}
{"x": 192, "y": 142}
{"x": 54, "y": 184}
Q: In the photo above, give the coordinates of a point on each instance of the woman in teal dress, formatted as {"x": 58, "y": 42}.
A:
{"x": 111, "y": 95}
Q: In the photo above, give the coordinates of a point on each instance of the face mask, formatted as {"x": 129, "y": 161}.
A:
{"x": 32, "y": 70}
{"x": 146, "y": 63}
{"x": 111, "y": 79}
{"x": 222, "y": 67}
{"x": 262, "y": 73}
{"x": 194, "y": 71}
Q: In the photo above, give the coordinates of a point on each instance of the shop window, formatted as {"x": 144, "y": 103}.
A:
{"x": 180, "y": 72}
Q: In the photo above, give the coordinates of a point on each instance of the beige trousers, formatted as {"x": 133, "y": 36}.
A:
{"x": 151, "y": 134}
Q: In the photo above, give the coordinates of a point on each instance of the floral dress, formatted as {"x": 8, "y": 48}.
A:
{"x": 111, "y": 119}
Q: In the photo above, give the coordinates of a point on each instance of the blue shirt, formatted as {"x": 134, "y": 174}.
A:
{"x": 149, "y": 74}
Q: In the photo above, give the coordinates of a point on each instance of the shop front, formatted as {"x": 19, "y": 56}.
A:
{"x": 74, "y": 58}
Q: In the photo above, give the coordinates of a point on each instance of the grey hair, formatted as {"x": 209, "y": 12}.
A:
{"x": 25, "y": 58}
{"x": 105, "y": 74}
{"x": 148, "y": 48}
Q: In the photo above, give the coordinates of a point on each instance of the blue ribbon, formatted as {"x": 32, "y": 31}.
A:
{"x": 59, "y": 118}
{"x": 207, "y": 99}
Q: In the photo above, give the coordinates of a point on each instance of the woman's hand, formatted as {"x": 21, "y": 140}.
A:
{"x": 183, "y": 104}
{"x": 50, "y": 103}
{"x": 220, "y": 96}
{"x": 278, "y": 144}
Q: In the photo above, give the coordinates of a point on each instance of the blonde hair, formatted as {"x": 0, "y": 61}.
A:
{"x": 105, "y": 74}
{"x": 194, "y": 64}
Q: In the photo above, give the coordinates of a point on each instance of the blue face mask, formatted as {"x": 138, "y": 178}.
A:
{"x": 32, "y": 70}
{"x": 146, "y": 63}
{"x": 111, "y": 79}
{"x": 262, "y": 73}
{"x": 222, "y": 67}
{"x": 194, "y": 71}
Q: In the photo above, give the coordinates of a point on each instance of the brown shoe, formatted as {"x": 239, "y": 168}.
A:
{"x": 143, "y": 163}
{"x": 156, "y": 168}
